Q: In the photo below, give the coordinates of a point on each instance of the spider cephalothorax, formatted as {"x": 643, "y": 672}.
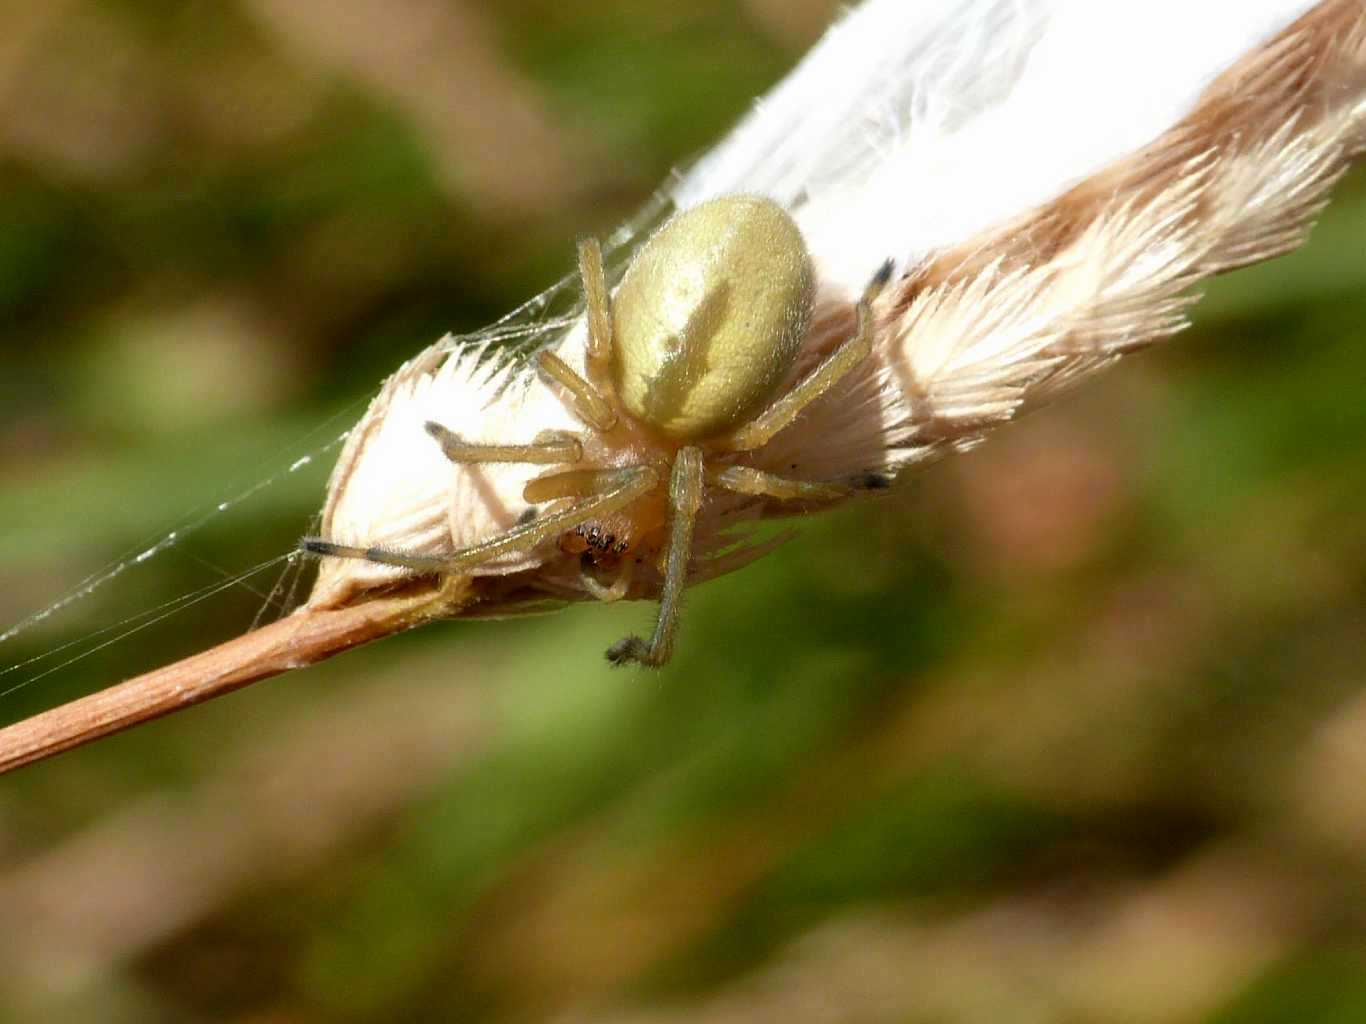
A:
{"x": 684, "y": 366}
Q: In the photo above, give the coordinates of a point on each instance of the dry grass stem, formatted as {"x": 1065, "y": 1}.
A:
{"x": 305, "y": 638}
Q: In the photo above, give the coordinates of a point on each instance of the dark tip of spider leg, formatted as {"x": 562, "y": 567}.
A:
{"x": 631, "y": 649}
{"x": 883, "y": 275}
{"x": 440, "y": 434}
{"x": 873, "y": 481}
{"x": 318, "y": 546}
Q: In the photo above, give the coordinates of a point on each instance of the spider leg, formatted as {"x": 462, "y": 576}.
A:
{"x": 685, "y": 498}
{"x": 588, "y": 403}
{"x": 619, "y": 488}
{"x": 744, "y": 480}
{"x": 549, "y": 448}
{"x": 757, "y": 432}
{"x": 599, "y": 312}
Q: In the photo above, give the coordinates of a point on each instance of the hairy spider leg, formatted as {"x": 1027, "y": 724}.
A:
{"x": 589, "y": 405}
{"x": 685, "y": 498}
{"x": 550, "y": 448}
{"x": 598, "y": 357}
{"x": 758, "y": 432}
{"x": 745, "y": 480}
{"x": 618, "y": 488}
{"x": 572, "y": 483}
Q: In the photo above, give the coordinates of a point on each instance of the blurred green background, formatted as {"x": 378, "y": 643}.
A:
{"x": 1073, "y": 729}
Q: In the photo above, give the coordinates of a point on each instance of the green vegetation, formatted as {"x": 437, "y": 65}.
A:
{"x": 1070, "y": 729}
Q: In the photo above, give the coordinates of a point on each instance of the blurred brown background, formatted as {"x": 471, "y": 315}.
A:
{"x": 1072, "y": 729}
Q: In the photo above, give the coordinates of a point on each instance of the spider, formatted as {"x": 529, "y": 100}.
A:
{"x": 683, "y": 368}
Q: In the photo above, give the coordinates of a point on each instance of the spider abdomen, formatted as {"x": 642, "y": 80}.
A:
{"x": 709, "y": 317}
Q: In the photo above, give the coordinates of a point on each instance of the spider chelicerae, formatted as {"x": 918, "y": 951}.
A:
{"x": 684, "y": 365}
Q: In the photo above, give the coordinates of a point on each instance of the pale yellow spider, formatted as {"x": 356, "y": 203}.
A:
{"x": 683, "y": 368}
